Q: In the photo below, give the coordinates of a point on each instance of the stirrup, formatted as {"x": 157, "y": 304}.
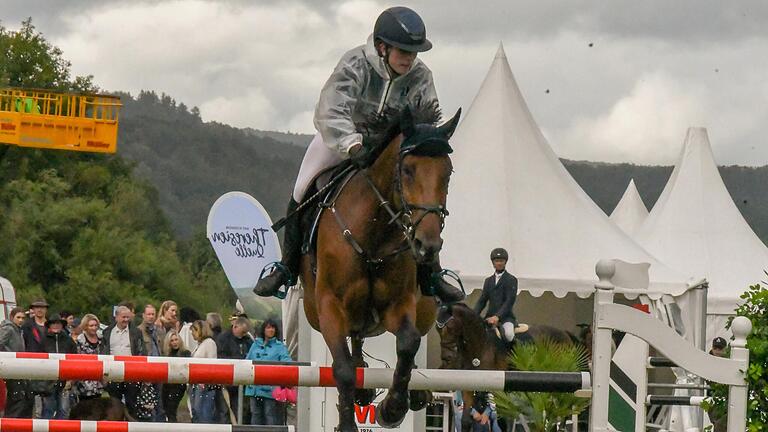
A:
{"x": 437, "y": 276}
{"x": 279, "y": 266}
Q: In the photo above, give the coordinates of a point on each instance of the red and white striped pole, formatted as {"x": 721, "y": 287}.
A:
{"x": 30, "y": 425}
{"x": 304, "y": 376}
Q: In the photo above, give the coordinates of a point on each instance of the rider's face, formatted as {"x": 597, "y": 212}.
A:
{"x": 499, "y": 264}
{"x": 401, "y": 61}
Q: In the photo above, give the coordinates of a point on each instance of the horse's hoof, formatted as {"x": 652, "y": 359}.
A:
{"x": 419, "y": 399}
{"x": 364, "y": 397}
{"x": 391, "y": 412}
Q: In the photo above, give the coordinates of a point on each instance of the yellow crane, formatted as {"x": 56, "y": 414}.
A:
{"x": 59, "y": 120}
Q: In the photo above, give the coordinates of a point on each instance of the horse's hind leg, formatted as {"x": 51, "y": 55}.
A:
{"x": 335, "y": 334}
{"x": 392, "y": 411}
{"x": 363, "y": 397}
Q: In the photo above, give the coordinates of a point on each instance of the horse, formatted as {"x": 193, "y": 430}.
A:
{"x": 467, "y": 342}
{"x": 362, "y": 280}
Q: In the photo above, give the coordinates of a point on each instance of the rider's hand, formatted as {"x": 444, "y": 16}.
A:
{"x": 492, "y": 320}
{"x": 359, "y": 156}
{"x": 355, "y": 149}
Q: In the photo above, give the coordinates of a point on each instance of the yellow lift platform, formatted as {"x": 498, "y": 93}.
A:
{"x": 57, "y": 120}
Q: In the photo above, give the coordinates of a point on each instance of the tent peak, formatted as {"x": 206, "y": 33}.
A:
{"x": 500, "y": 53}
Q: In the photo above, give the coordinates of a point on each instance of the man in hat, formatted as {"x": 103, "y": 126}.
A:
{"x": 718, "y": 347}
{"x": 34, "y": 329}
{"x": 499, "y": 294}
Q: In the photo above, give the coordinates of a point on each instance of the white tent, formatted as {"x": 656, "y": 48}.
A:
{"x": 696, "y": 228}
{"x": 510, "y": 190}
{"x": 630, "y": 212}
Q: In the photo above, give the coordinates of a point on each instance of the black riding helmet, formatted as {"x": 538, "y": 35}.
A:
{"x": 499, "y": 253}
{"x": 403, "y": 28}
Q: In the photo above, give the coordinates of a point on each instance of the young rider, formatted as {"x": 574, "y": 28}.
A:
{"x": 383, "y": 73}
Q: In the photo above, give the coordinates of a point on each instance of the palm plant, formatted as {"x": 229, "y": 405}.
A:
{"x": 545, "y": 412}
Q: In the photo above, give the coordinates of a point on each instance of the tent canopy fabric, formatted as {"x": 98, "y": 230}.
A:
{"x": 630, "y": 213}
{"x": 510, "y": 190}
{"x": 696, "y": 228}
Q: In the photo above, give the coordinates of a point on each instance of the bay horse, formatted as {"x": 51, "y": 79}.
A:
{"x": 386, "y": 219}
{"x": 467, "y": 342}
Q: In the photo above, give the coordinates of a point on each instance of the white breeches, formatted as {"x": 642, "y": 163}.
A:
{"x": 318, "y": 158}
{"x": 508, "y": 331}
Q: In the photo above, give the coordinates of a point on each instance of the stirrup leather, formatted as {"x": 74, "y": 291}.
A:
{"x": 282, "y": 268}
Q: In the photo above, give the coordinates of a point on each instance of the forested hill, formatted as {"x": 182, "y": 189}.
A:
{"x": 192, "y": 163}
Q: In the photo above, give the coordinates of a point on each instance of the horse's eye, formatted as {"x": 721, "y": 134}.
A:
{"x": 408, "y": 171}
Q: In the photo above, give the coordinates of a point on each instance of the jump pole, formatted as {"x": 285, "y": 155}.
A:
{"x": 282, "y": 375}
{"x": 143, "y": 359}
{"x": 30, "y": 425}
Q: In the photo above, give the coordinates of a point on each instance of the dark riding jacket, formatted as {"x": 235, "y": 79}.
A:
{"x": 500, "y": 298}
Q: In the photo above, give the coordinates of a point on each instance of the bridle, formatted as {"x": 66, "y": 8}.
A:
{"x": 402, "y": 217}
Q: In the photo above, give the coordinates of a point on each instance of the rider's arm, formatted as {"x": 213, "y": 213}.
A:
{"x": 482, "y": 301}
{"x": 333, "y": 113}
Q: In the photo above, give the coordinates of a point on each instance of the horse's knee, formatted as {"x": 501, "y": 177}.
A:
{"x": 408, "y": 341}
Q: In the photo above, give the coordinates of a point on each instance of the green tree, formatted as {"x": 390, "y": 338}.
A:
{"x": 755, "y": 307}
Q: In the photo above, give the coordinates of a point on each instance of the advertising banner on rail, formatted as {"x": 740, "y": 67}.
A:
{"x": 240, "y": 234}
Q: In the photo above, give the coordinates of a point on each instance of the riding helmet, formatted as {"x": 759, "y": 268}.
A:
{"x": 499, "y": 253}
{"x": 403, "y": 28}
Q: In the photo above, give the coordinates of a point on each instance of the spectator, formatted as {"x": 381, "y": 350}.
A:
{"x": 88, "y": 342}
{"x": 215, "y": 321}
{"x": 77, "y": 329}
{"x": 203, "y": 396}
{"x": 718, "y": 347}
{"x": 20, "y": 401}
{"x": 167, "y": 320}
{"x": 122, "y": 339}
{"x": 147, "y": 328}
{"x": 70, "y": 319}
{"x": 265, "y": 410}
{"x": 56, "y": 404}
{"x": 234, "y": 344}
{"x": 34, "y": 329}
{"x": 188, "y": 316}
{"x": 482, "y": 416}
{"x": 172, "y": 394}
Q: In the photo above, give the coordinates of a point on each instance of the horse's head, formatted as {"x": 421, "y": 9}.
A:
{"x": 466, "y": 342}
{"x": 421, "y": 183}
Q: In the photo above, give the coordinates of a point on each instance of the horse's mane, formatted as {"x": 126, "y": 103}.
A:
{"x": 379, "y": 129}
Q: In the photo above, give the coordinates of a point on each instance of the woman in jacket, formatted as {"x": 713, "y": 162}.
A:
{"x": 384, "y": 74}
{"x": 265, "y": 410}
{"x": 167, "y": 320}
{"x": 20, "y": 400}
{"x": 172, "y": 394}
{"x": 88, "y": 342}
{"x": 203, "y": 396}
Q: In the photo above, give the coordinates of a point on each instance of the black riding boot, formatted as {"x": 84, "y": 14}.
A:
{"x": 288, "y": 272}
{"x": 431, "y": 282}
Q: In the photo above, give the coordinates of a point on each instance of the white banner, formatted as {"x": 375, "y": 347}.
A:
{"x": 239, "y": 231}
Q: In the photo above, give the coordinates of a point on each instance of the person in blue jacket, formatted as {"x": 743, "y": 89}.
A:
{"x": 265, "y": 410}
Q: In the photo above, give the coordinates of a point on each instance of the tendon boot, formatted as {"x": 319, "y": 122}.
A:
{"x": 286, "y": 271}
{"x": 431, "y": 282}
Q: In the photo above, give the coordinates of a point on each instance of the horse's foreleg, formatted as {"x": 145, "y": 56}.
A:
{"x": 363, "y": 397}
{"x": 392, "y": 410}
{"x": 335, "y": 334}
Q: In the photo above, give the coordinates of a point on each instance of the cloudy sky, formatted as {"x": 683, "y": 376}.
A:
{"x": 616, "y": 81}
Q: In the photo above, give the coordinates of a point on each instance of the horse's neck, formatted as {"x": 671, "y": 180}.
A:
{"x": 383, "y": 170}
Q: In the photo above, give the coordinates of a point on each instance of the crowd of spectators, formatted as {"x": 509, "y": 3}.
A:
{"x": 165, "y": 331}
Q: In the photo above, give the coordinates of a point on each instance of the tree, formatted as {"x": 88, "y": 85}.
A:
{"x": 755, "y": 307}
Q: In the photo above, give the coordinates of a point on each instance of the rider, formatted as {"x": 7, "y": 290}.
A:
{"x": 383, "y": 73}
{"x": 499, "y": 293}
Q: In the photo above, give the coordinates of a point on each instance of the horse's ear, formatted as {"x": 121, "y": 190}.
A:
{"x": 406, "y": 122}
{"x": 449, "y": 127}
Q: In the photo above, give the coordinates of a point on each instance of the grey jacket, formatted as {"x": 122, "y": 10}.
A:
{"x": 361, "y": 86}
{"x": 10, "y": 337}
